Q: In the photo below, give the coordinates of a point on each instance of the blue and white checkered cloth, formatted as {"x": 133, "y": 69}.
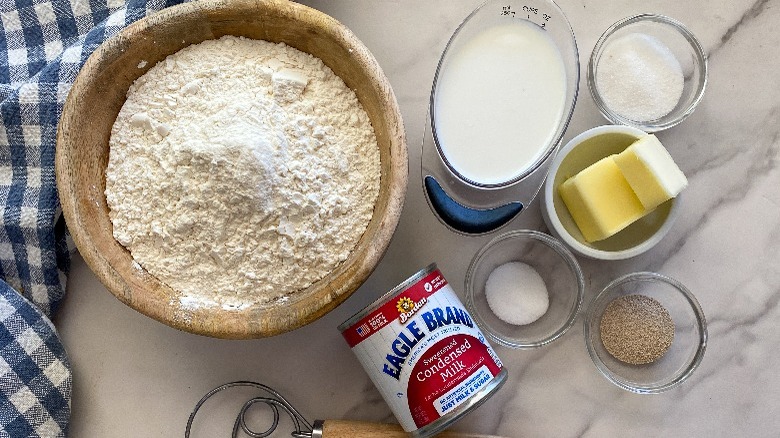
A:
{"x": 35, "y": 379}
{"x": 43, "y": 44}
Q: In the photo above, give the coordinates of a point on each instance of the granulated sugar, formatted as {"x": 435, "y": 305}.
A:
{"x": 639, "y": 77}
{"x": 241, "y": 171}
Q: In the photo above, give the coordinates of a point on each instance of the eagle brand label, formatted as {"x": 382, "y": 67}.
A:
{"x": 423, "y": 352}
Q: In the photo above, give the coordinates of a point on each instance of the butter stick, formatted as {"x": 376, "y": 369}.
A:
{"x": 600, "y": 200}
{"x": 651, "y": 172}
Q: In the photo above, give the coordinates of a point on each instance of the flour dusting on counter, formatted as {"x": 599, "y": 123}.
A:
{"x": 241, "y": 171}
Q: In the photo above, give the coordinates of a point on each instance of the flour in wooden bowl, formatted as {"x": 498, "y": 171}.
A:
{"x": 240, "y": 172}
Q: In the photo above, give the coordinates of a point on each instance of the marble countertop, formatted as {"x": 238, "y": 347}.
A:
{"x": 135, "y": 377}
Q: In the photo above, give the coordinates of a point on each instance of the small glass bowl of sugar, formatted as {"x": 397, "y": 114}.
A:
{"x": 504, "y": 282}
{"x": 647, "y": 71}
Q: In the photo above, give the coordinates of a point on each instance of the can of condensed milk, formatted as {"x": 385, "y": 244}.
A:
{"x": 424, "y": 353}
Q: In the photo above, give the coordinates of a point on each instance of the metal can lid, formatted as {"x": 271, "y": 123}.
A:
{"x": 386, "y": 296}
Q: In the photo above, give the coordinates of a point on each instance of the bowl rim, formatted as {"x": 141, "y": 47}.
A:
{"x": 558, "y": 248}
{"x": 658, "y": 124}
{"x": 243, "y": 323}
{"x": 556, "y": 226}
{"x": 701, "y": 324}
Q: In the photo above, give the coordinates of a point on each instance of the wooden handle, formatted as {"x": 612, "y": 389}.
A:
{"x": 364, "y": 429}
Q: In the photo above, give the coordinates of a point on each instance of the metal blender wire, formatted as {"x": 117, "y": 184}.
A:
{"x": 303, "y": 429}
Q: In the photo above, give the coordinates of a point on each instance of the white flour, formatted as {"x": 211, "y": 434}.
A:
{"x": 241, "y": 171}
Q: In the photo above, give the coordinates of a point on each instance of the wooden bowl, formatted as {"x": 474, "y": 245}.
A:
{"x": 99, "y": 92}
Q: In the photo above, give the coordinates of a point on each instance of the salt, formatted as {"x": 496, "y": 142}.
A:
{"x": 516, "y": 293}
{"x": 639, "y": 77}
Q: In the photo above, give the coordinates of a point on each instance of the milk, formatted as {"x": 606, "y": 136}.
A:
{"x": 499, "y": 99}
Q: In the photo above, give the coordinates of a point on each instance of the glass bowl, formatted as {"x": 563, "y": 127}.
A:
{"x": 557, "y": 267}
{"x": 685, "y": 48}
{"x": 579, "y": 153}
{"x": 688, "y": 345}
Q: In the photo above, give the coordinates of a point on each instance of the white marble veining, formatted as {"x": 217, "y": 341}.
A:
{"x": 134, "y": 377}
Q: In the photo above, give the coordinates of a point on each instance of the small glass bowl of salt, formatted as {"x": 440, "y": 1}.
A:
{"x": 648, "y": 71}
{"x": 524, "y": 289}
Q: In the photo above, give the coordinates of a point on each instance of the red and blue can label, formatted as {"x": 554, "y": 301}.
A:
{"x": 424, "y": 352}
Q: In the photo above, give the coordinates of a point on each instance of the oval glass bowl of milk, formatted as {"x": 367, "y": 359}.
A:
{"x": 503, "y": 95}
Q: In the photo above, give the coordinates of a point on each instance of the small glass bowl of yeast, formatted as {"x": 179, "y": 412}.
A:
{"x": 687, "y": 346}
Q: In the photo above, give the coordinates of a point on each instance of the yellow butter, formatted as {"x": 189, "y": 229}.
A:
{"x": 600, "y": 200}
{"x": 651, "y": 172}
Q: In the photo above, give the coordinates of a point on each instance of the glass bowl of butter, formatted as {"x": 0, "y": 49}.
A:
{"x": 612, "y": 193}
